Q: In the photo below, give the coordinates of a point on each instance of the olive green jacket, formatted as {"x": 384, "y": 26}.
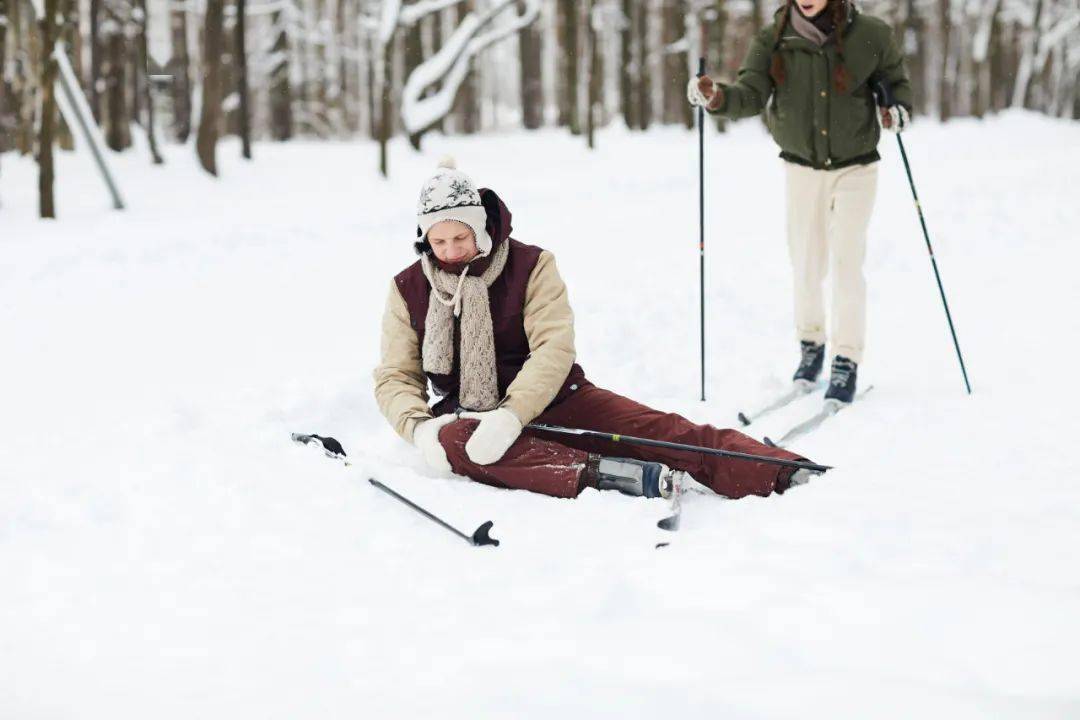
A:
{"x": 811, "y": 122}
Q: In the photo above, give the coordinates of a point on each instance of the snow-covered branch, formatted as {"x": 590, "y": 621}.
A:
{"x": 1055, "y": 35}
{"x": 980, "y": 45}
{"x": 388, "y": 21}
{"x": 450, "y": 65}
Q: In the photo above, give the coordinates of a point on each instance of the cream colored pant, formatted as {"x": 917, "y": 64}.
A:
{"x": 828, "y": 212}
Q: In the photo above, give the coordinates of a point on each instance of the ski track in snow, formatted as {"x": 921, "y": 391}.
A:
{"x": 167, "y": 551}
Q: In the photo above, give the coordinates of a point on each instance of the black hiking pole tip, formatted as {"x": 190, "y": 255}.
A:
{"x": 479, "y": 537}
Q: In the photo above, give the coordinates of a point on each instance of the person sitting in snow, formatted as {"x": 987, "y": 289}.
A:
{"x": 487, "y": 321}
{"x": 812, "y": 71}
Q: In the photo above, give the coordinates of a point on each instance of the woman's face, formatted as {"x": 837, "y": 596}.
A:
{"x": 812, "y": 8}
{"x": 452, "y": 242}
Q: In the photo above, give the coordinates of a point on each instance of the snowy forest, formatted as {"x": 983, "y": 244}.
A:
{"x": 280, "y": 69}
{"x": 172, "y": 548}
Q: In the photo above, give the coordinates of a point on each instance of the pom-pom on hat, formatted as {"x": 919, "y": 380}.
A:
{"x": 450, "y": 194}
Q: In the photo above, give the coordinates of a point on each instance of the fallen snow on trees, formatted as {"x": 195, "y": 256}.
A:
{"x": 448, "y": 68}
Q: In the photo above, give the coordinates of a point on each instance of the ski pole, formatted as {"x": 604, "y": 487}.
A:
{"x": 629, "y": 439}
{"x": 701, "y": 220}
{"x": 334, "y": 449}
{"x": 479, "y": 537}
{"x": 886, "y": 99}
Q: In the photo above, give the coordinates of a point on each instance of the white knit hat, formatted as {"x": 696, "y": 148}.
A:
{"x": 451, "y": 195}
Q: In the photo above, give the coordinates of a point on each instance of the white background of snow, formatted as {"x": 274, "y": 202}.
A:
{"x": 167, "y": 552}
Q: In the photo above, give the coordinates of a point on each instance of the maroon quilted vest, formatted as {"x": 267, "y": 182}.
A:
{"x": 507, "y": 301}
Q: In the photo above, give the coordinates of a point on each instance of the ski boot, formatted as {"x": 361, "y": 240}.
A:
{"x": 640, "y": 478}
{"x": 813, "y": 358}
{"x": 842, "y": 383}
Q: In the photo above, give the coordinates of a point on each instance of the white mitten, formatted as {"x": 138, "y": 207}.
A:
{"x": 694, "y": 94}
{"x": 895, "y": 119}
{"x": 426, "y": 437}
{"x": 498, "y": 430}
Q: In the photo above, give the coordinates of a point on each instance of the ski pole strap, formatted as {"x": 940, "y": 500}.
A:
{"x": 802, "y": 464}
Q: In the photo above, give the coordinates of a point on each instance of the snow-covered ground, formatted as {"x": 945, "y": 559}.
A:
{"x": 166, "y": 552}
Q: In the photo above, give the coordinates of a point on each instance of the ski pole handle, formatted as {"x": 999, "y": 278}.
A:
{"x": 883, "y": 93}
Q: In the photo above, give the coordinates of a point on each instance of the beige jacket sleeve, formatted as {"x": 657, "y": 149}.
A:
{"x": 400, "y": 383}
{"x": 549, "y": 326}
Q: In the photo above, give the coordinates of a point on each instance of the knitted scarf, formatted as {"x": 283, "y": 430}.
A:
{"x": 465, "y": 297}
{"x": 817, "y": 30}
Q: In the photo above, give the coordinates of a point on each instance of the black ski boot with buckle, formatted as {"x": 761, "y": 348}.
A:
{"x": 842, "y": 382}
{"x": 641, "y": 478}
{"x": 813, "y": 358}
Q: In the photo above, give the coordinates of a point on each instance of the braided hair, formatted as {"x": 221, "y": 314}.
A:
{"x": 839, "y": 10}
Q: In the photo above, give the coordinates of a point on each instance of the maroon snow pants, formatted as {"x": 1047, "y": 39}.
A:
{"x": 552, "y": 464}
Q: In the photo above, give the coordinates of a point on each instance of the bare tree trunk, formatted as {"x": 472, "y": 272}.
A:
{"x": 385, "y": 109}
{"x": 944, "y": 85}
{"x": 280, "y": 93}
{"x": 209, "y": 123}
{"x": 998, "y": 81}
{"x": 24, "y": 78}
{"x": 964, "y": 88}
{"x": 919, "y": 38}
{"x": 676, "y": 68}
{"x": 68, "y": 34}
{"x": 132, "y": 64}
{"x": 118, "y": 136}
{"x": 301, "y": 45}
{"x": 644, "y": 83}
{"x": 1025, "y": 71}
{"x": 629, "y": 75}
{"x": 21, "y": 78}
{"x": 348, "y": 84}
{"x": 5, "y": 90}
{"x": 179, "y": 67}
{"x": 594, "y": 74}
{"x": 414, "y": 55}
{"x": 96, "y": 60}
{"x": 568, "y": 52}
{"x": 467, "y": 103}
{"x": 241, "y": 65}
{"x": 323, "y": 73}
{"x": 532, "y": 85}
{"x": 148, "y": 100}
{"x": 373, "y": 87}
{"x": 437, "y": 33}
{"x": 49, "y": 70}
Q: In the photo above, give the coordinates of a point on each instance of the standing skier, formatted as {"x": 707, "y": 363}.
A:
{"x": 487, "y": 321}
{"x": 811, "y": 71}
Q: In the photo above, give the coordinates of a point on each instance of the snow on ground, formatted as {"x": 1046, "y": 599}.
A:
{"x": 167, "y": 552}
